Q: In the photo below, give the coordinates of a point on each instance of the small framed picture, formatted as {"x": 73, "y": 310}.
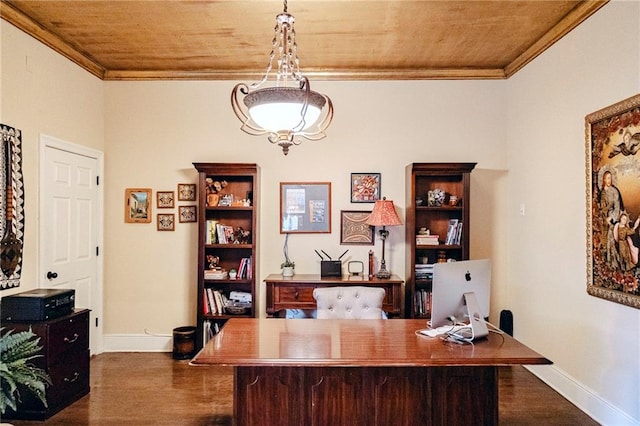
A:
{"x": 354, "y": 230}
{"x": 166, "y": 221}
{"x": 137, "y": 205}
{"x": 365, "y": 187}
{"x": 187, "y": 214}
{"x": 186, "y": 192}
{"x": 165, "y": 199}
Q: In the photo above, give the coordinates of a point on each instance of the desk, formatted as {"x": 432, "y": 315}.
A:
{"x": 297, "y": 292}
{"x": 359, "y": 372}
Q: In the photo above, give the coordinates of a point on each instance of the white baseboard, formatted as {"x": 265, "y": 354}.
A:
{"x": 137, "y": 343}
{"x": 582, "y": 397}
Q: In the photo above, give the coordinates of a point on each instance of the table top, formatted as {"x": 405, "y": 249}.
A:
{"x": 345, "y": 279}
{"x": 346, "y": 343}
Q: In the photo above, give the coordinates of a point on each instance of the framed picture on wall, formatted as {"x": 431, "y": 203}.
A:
{"x": 354, "y": 230}
{"x": 186, "y": 192}
{"x": 365, "y": 187}
{"x": 613, "y": 205}
{"x": 166, "y": 222}
{"x": 305, "y": 207}
{"x": 165, "y": 199}
{"x": 187, "y": 214}
{"x": 137, "y": 205}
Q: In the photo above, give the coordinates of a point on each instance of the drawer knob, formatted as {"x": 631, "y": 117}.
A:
{"x": 73, "y": 339}
{"x": 296, "y": 294}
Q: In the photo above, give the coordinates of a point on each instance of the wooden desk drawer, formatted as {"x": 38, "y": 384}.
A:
{"x": 295, "y": 294}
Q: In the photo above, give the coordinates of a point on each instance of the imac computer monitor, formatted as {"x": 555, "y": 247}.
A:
{"x": 451, "y": 281}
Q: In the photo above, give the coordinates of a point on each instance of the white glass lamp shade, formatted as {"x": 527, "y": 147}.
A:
{"x": 280, "y": 108}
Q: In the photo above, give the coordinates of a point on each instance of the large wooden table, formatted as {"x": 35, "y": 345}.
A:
{"x": 296, "y": 292}
{"x": 359, "y": 372}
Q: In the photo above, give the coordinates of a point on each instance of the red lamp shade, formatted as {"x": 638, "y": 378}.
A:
{"x": 383, "y": 214}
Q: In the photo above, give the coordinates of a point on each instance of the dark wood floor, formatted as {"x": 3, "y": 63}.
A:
{"x": 154, "y": 389}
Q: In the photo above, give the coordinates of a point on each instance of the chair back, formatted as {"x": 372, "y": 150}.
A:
{"x": 353, "y": 302}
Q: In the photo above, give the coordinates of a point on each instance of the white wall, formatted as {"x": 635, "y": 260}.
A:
{"x": 593, "y": 342}
{"x": 44, "y": 93}
{"x": 156, "y": 130}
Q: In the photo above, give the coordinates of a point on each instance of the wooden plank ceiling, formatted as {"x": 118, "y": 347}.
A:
{"x": 337, "y": 39}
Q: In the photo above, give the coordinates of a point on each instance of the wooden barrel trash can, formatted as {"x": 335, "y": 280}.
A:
{"x": 184, "y": 342}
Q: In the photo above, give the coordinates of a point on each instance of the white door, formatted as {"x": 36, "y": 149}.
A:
{"x": 70, "y": 217}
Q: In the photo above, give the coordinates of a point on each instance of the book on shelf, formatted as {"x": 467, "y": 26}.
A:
{"x": 424, "y": 271}
{"x": 209, "y": 329}
{"x": 223, "y": 234}
{"x": 422, "y": 302}
{"x": 211, "y": 232}
{"x": 245, "y": 270}
{"x": 427, "y": 240}
{"x": 215, "y": 301}
{"x": 215, "y": 274}
{"x": 211, "y": 303}
{"x": 221, "y": 301}
{"x": 454, "y": 232}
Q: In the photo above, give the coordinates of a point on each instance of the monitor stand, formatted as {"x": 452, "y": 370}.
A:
{"x": 476, "y": 319}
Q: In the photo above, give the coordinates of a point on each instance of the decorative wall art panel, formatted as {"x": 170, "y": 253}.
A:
{"x": 11, "y": 208}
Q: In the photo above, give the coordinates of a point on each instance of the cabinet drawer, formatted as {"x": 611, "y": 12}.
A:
{"x": 69, "y": 377}
{"x": 297, "y": 294}
{"x": 72, "y": 334}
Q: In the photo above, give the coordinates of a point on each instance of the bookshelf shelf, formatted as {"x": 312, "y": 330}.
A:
{"x": 450, "y": 222}
{"x": 227, "y": 239}
{"x": 229, "y": 246}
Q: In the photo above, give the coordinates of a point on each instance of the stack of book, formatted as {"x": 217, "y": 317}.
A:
{"x": 424, "y": 271}
{"x": 422, "y": 303}
{"x": 427, "y": 240}
{"x": 215, "y": 274}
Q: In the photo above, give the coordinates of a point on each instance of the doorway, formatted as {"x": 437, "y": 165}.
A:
{"x": 71, "y": 222}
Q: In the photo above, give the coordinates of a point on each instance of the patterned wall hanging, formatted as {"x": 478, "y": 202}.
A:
{"x": 11, "y": 208}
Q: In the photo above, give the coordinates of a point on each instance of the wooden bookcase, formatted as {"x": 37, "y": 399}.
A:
{"x": 454, "y": 180}
{"x": 240, "y": 181}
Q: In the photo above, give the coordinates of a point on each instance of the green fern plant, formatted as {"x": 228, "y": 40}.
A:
{"x": 16, "y": 350}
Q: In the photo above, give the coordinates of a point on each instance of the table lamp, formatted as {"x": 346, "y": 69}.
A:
{"x": 383, "y": 214}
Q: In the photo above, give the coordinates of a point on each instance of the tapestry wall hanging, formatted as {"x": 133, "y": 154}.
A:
{"x": 12, "y": 208}
{"x": 613, "y": 204}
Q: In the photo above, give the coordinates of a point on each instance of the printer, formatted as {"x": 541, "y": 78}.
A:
{"x": 38, "y": 305}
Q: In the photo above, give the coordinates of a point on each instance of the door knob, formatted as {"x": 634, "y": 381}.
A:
{"x": 52, "y": 275}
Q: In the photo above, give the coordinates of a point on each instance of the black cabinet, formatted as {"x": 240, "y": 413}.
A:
{"x": 66, "y": 355}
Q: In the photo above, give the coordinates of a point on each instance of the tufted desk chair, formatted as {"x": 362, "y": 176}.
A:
{"x": 353, "y": 302}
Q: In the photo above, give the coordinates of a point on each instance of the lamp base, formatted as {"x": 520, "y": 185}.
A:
{"x": 383, "y": 274}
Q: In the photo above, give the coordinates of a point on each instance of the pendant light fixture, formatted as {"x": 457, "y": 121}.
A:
{"x": 288, "y": 110}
